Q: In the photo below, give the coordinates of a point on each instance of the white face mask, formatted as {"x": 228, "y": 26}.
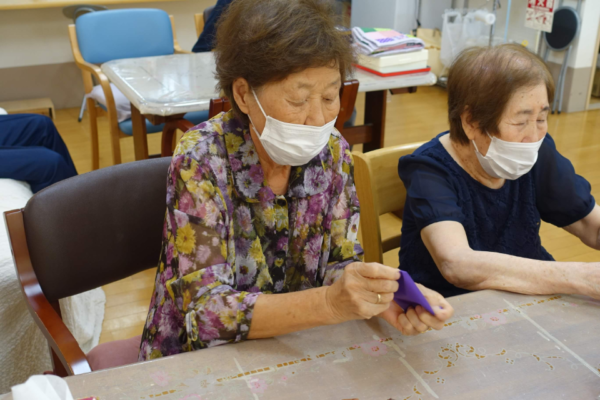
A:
{"x": 292, "y": 144}
{"x": 508, "y": 160}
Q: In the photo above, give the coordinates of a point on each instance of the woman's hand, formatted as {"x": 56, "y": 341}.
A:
{"x": 355, "y": 294}
{"x": 417, "y": 320}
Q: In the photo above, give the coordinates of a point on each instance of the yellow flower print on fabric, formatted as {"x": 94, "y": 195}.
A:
{"x": 269, "y": 214}
{"x": 217, "y": 127}
{"x": 229, "y": 319}
{"x": 186, "y": 239}
{"x": 187, "y": 174}
{"x": 334, "y": 143}
{"x": 338, "y": 230}
{"x": 347, "y": 249}
{"x": 256, "y": 252}
{"x": 264, "y": 278}
{"x": 281, "y": 218}
{"x": 233, "y": 142}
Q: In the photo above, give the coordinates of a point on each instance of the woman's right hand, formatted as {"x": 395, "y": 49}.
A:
{"x": 354, "y": 295}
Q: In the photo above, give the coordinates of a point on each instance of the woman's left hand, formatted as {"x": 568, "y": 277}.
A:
{"x": 417, "y": 320}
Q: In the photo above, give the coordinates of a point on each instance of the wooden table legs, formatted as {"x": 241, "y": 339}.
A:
{"x": 140, "y": 139}
{"x": 372, "y": 133}
{"x": 168, "y": 134}
{"x": 375, "y": 111}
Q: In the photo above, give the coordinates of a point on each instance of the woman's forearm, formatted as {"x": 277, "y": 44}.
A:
{"x": 278, "y": 314}
{"x": 478, "y": 270}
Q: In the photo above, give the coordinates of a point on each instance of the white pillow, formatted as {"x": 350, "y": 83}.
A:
{"x": 121, "y": 102}
{"x": 3, "y": 111}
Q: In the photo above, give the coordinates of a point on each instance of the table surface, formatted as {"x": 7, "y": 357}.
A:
{"x": 21, "y": 4}
{"x": 181, "y": 83}
{"x": 497, "y": 346}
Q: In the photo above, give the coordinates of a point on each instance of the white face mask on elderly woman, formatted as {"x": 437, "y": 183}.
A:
{"x": 292, "y": 144}
{"x": 508, "y": 160}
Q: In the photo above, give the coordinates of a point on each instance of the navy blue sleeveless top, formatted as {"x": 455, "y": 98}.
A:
{"x": 505, "y": 220}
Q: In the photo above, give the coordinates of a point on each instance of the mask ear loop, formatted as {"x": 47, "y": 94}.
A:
{"x": 261, "y": 109}
{"x": 258, "y": 102}
{"x": 474, "y": 144}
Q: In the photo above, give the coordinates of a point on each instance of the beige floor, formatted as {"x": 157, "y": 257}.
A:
{"x": 410, "y": 118}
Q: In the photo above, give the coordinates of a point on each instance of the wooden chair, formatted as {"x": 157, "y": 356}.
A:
{"x": 382, "y": 195}
{"x": 200, "y": 19}
{"x": 80, "y": 234}
{"x": 94, "y": 41}
{"x": 348, "y": 93}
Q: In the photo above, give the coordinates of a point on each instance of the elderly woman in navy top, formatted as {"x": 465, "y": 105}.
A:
{"x": 477, "y": 193}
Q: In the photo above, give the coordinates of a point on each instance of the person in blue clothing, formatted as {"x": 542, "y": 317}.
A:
{"x": 32, "y": 150}
{"x": 206, "y": 40}
{"x": 477, "y": 194}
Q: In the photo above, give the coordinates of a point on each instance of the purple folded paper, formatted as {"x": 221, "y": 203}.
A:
{"x": 409, "y": 295}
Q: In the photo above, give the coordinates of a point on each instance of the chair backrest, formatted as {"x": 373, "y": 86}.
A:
{"x": 128, "y": 33}
{"x": 348, "y": 93}
{"x": 216, "y": 106}
{"x": 96, "y": 228}
{"x": 380, "y": 191}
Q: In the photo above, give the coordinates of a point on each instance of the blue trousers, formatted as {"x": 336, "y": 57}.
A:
{"x": 32, "y": 150}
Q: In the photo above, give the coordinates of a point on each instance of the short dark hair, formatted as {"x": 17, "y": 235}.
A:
{"x": 265, "y": 41}
{"x": 482, "y": 80}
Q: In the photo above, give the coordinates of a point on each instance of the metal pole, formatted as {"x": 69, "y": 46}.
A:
{"x": 564, "y": 78}
{"x": 507, "y": 20}
{"x": 493, "y": 27}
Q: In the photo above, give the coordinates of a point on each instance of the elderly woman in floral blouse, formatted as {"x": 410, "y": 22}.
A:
{"x": 262, "y": 215}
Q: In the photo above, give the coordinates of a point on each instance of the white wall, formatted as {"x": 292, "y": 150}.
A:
{"x": 39, "y": 36}
{"x": 378, "y": 13}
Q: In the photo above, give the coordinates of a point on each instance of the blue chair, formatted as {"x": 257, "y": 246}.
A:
{"x": 109, "y": 35}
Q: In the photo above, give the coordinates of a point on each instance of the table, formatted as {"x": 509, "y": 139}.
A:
{"x": 22, "y": 4}
{"x": 497, "y": 346}
{"x": 164, "y": 88}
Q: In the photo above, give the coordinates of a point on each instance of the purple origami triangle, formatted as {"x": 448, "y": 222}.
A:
{"x": 409, "y": 295}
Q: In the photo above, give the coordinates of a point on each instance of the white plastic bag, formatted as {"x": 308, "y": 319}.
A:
{"x": 122, "y": 104}
{"x": 453, "y": 40}
{"x": 459, "y": 33}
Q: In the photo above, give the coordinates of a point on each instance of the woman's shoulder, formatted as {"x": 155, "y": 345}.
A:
{"x": 210, "y": 138}
{"x": 431, "y": 155}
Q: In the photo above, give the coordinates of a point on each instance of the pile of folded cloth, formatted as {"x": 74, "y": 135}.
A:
{"x": 386, "y": 52}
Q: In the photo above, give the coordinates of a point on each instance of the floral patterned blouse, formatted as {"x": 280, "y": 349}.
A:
{"x": 227, "y": 237}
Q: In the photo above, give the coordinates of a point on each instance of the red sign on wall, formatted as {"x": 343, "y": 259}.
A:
{"x": 539, "y": 14}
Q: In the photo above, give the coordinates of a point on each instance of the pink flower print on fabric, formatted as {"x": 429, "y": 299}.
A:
{"x": 257, "y": 385}
{"x": 161, "y": 378}
{"x": 374, "y": 348}
{"x": 494, "y": 318}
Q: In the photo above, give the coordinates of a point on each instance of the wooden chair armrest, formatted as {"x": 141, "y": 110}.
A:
{"x": 98, "y": 74}
{"x": 52, "y": 326}
{"x": 179, "y": 50}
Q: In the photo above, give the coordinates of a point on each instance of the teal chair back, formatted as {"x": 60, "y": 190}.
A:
{"x": 130, "y": 33}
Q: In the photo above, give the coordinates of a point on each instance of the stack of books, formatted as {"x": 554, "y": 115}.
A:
{"x": 386, "y": 52}
{"x": 396, "y": 64}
